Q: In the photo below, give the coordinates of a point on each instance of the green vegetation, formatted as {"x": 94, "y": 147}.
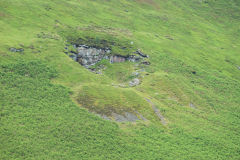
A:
{"x": 47, "y": 99}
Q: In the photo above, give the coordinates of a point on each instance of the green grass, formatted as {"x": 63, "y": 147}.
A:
{"x": 45, "y": 97}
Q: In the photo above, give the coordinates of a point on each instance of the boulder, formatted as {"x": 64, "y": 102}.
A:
{"x": 134, "y": 82}
{"x": 117, "y": 59}
{"x": 146, "y": 63}
{"x": 16, "y": 49}
{"x": 89, "y": 56}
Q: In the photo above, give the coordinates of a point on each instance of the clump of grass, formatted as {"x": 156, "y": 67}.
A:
{"x": 118, "y": 45}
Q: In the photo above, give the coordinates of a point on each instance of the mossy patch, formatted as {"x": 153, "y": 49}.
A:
{"x": 119, "y": 45}
{"x": 106, "y": 100}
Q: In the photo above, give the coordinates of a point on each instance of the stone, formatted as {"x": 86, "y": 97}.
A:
{"x": 135, "y": 74}
{"x": 146, "y": 63}
{"x": 134, "y": 82}
{"x": 122, "y": 85}
{"x": 133, "y": 58}
{"x": 192, "y": 106}
{"x": 16, "y": 49}
{"x": 105, "y": 117}
{"x": 127, "y": 117}
{"x": 141, "y": 54}
{"x": 238, "y": 67}
{"x": 157, "y": 112}
{"x": 12, "y": 49}
{"x": 89, "y": 56}
{"x": 141, "y": 116}
{"x": 131, "y": 117}
{"x": 117, "y": 59}
{"x": 142, "y": 70}
{"x": 98, "y": 72}
{"x": 119, "y": 118}
{"x": 74, "y": 57}
{"x": 160, "y": 116}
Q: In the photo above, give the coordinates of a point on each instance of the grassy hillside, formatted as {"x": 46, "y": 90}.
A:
{"x": 48, "y": 101}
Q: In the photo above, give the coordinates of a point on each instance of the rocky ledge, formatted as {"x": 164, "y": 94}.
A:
{"x": 88, "y": 56}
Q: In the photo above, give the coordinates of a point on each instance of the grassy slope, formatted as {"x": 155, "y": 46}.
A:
{"x": 40, "y": 121}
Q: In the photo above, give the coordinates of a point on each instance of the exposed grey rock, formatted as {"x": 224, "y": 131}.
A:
{"x": 134, "y": 82}
{"x": 157, "y": 112}
{"x": 74, "y": 57}
{"x": 127, "y": 117}
{"x": 131, "y": 117}
{"x": 238, "y": 67}
{"x": 89, "y": 56}
{"x": 117, "y": 59}
{"x": 98, "y": 72}
{"x": 16, "y": 49}
{"x": 135, "y": 74}
{"x": 119, "y": 118}
{"x": 133, "y": 58}
{"x": 142, "y": 70}
{"x": 74, "y": 46}
{"x": 146, "y": 63}
{"x": 122, "y": 85}
{"x": 160, "y": 116}
{"x": 141, "y": 116}
{"x": 105, "y": 117}
{"x": 192, "y": 106}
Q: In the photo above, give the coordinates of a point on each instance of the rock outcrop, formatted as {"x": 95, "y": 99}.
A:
{"x": 16, "y": 49}
{"x": 89, "y": 56}
{"x": 134, "y": 82}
